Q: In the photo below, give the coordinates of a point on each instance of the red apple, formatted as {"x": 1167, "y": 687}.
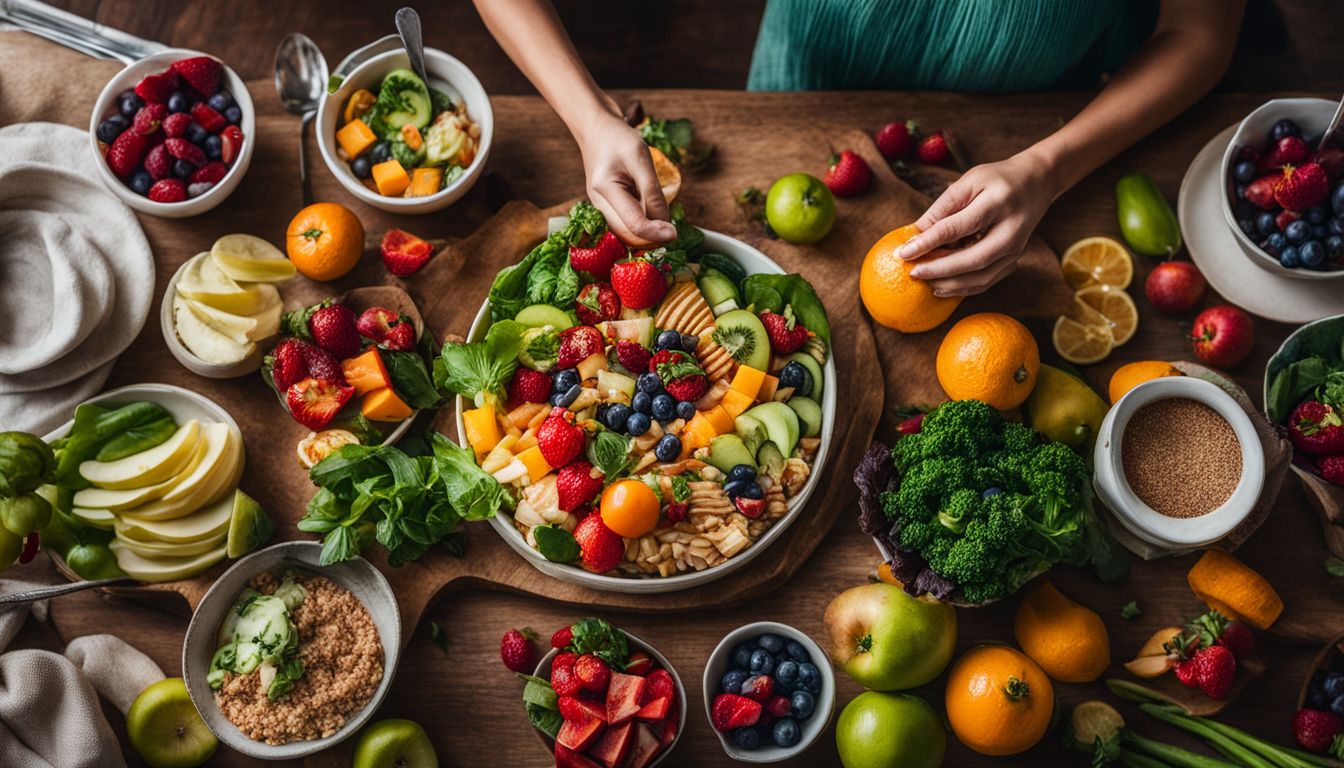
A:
{"x": 1174, "y": 287}
{"x": 1223, "y": 335}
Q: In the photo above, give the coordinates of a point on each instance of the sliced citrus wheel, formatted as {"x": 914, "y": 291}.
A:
{"x": 1116, "y": 306}
{"x": 669, "y": 176}
{"x": 1097, "y": 261}
{"x": 1083, "y": 337}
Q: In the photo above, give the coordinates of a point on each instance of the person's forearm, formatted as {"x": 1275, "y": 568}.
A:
{"x": 1180, "y": 62}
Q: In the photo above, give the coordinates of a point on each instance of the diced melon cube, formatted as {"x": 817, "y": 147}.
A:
{"x": 384, "y": 405}
{"x": 535, "y": 463}
{"x": 355, "y": 137}
{"x": 482, "y": 429}
{"x": 748, "y": 380}
{"x": 391, "y": 178}
{"x": 735, "y": 402}
{"x": 768, "y": 387}
{"x": 719, "y": 419}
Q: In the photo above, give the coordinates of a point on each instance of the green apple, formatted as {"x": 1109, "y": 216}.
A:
{"x": 887, "y": 640}
{"x": 877, "y": 730}
{"x": 799, "y": 208}
{"x": 11, "y": 547}
{"x": 165, "y": 729}
{"x": 395, "y": 744}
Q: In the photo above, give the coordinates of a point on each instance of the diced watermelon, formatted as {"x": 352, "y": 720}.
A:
{"x": 592, "y": 708}
{"x": 568, "y": 758}
{"x": 668, "y": 734}
{"x": 614, "y": 745}
{"x": 578, "y": 736}
{"x": 654, "y": 710}
{"x": 647, "y": 746}
{"x": 624, "y": 693}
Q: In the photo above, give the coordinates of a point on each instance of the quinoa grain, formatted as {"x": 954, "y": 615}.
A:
{"x": 1180, "y": 457}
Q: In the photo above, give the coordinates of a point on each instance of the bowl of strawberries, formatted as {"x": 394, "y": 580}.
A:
{"x": 1282, "y": 196}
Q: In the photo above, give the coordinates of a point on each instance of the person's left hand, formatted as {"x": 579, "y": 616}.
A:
{"x": 1004, "y": 201}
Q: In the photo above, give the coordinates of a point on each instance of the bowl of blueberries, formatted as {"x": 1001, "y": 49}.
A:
{"x": 769, "y": 692}
{"x": 1284, "y": 199}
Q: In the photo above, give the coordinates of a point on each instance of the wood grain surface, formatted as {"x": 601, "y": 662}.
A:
{"x": 469, "y": 705}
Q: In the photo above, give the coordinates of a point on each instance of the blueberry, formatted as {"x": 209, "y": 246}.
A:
{"x": 1244, "y": 171}
{"x": 663, "y": 407}
{"x": 1336, "y": 198}
{"x": 1337, "y": 705}
{"x": 797, "y": 652}
{"x": 685, "y": 410}
{"x": 786, "y": 732}
{"x": 563, "y": 379}
{"x": 742, "y": 657}
{"x": 1319, "y": 232}
{"x": 182, "y": 168}
{"x": 1316, "y": 699}
{"x": 1333, "y": 685}
{"x": 141, "y": 181}
{"x": 772, "y": 643}
{"x": 214, "y": 149}
{"x": 742, "y": 472}
{"x": 196, "y": 134}
{"x": 128, "y": 103}
{"x": 111, "y": 128}
{"x": 802, "y": 704}
{"x": 762, "y": 663}
{"x": 617, "y": 416}
{"x": 638, "y": 424}
{"x": 1275, "y": 240}
{"x": 809, "y": 677}
{"x": 380, "y": 152}
{"x": 667, "y": 340}
{"x": 234, "y": 114}
{"x": 1336, "y": 225}
{"x": 1244, "y": 209}
{"x": 786, "y": 675}
{"x": 221, "y": 101}
{"x": 732, "y": 681}
{"x": 1334, "y": 246}
{"x": 1312, "y": 253}
{"x": 668, "y": 448}
{"x": 1317, "y": 215}
{"x": 650, "y": 383}
{"x": 1289, "y": 257}
{"x": 1297, "y": 231}
{"x": 361, "y": 167}
{"x": 1284, "y": 127}
{"x": 746, "y": 738}
{"x": 745, "y": 488}
{"x": 178, "y": 102}
{"x": 1264, "y": 223}
{"x": 555, "y": 399}
{"x": 796, "y": 376}
{"x": 1247, "y": 226}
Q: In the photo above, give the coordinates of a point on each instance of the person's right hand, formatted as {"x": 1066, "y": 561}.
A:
{"x": 622, "y": 183}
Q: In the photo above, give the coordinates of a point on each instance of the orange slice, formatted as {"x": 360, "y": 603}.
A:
{"x": 1097, "y": 261}
{"x": 1116, "y": 306}
{"x": 1083, "y": 337}
{"x": 669, "y": 176}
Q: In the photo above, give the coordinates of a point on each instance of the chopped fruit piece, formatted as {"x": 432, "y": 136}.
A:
{"x": 155, "y": 89}
{"x": 623, "y": 696}
{"x": 748, "y": 380}
{"x": 403, "y": 253}
{"x": 647, "y": 746}
{"x": 384, "y": 405}
{"x": 482, "y": 429}
{"x": 615, "y": 744}
{"x": 655, "y": 709}
{"x": 389, "y": 176}
{"x": 425, "y": 181}
{"x": 734, "y": 403}
{"x": 535, "y": 463}
{"x": 767, "y": 391}
{"x": 719, "y": 419}
{"x": 699, "y": 430}
{"x": 366, "y": 372}
{"x": 590, "y": 366}
{"x": 731, "y": 711}
{"x": 314, "y": 402}
{"x": 358, "y": 105}
{"x": 201, "y": 72}
{"x": 355, "y": 137}
{"x": 578, "y": 736}
{"x": 411, "y": 135}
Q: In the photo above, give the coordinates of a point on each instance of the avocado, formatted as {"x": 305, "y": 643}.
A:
{"x": 781, "y": 425}
{"x": 727, "y": 451}
{"x": 809, "y": 415}
{"x": 541, "y": 315}
{"x": 813, "y": 367}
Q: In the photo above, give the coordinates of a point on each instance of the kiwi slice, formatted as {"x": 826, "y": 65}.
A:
{"x": 249, "y": 528}
{"x": 741, "y": 333}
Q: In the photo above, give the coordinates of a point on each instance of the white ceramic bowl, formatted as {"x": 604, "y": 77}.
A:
{"x": 445, "y": 73}
{"x": 106, "y": 105}
{"x": 753, "y": 261}
{"x": 357, "y": 575}
{"x": 1142, "y": 520}
{"x": 1313, "y": 117}
{"x": 249, "y": 364}
{"x": 720, "y": 660}
{"x": 183, "y": 404}
{"x": 543, "y": 671}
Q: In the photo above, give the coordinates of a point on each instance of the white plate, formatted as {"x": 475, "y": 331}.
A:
{"x": 1215, "y": 251}
{"x": 753, "y": 261}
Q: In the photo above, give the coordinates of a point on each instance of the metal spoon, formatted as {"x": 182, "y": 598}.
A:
{"x": 408, "y": 26}
{"x": 56, "y": 590}
{"x": 300, "y": 78}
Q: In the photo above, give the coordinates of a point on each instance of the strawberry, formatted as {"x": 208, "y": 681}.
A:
{"x": 777, "y": 706}
{"x": 1290, "y": 150}
{"x": 659, "y": 684}
{"x": 564, "y": 682}
{"x": 751, "y": 508}
{"x": 1185, "y": 672}
{"x": 561, "y": 639}
{"x": 593, "y": 674}
{"x": 682, "y": 376}
{"x": 149, "y": 118}
{"x": 1316, "y": 429}
{"x": 231, "y": 143}
{"x": 639, "y": 283}
{"x": 208, "y": 117}
{"x": 288, "y": 364}
{"x": 848, "y": 175}
{"x": 1213, "y": 628}
{"x": 1214, "y": 667}
{"x": 175, "y": 125}
{"x": 596, "y": 303}
{"x": 730, "y": 712}
{"x": 597, "y": 259}
{"x": 786, "y": 335}
{"x": 564, "y": 658}
{"x": 559, "y": 438}
{"x": 210, "y": 173}
{"x": 185, "y": 150}
{"x": 125, "y": 153}
{"x": 168, "y": 191}
{"x": 321, "y": 364}
{"x": 577, "y": 485}
{"x": 1331, "y": 469}
{"x": 1261, "y": 191}
{"x": 315, "y": 402}
{"x": 1302, "y": 187}
{"x": 376, "y": 322}
{"x": 639, "y": 664}
{"x": 529, "y": 386}
{"x": 515, "y": 649}
{"x": 201, "y": 72}
{"x": 155, "y": 89}
{"x": 1284, "y": 218}
{"x": 600, "y": 548}
{"x": 932, "y": 149}
{"x": 401, "y": 338}
{"x": 578, "y": 344}
{"x": 758, "y": 687}
{"x": 1316, "y": 729}
{"x": 333, "y": 329}
{"x": 571, "y": 710}
{"x": 403, "y": 253}
{"x": 676, "y": 511}
{"x": 633, "y": 356}
{"x": 158, "y": 163}
{"x": 894, "y": 141}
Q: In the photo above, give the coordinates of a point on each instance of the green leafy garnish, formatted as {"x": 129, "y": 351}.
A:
{"x": 479, "y": 371}
{"x": 775, "y": 292}
{"x": 411, "y": 380}
{"x": 548, "y": 721}
{"x": 676, "y": 139}
{"x": 1334, "y": 566}
{"x": 1130, "y": 610}
{"x": 610, "y": 453}
{"x": 601, "y": 639}
{"x": 681, "y": 488}
{"x": 544, "y": 276}
{"x": 106, "y": 432}
{"x": 556, "y": 544}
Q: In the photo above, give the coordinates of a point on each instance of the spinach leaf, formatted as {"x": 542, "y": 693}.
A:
{"x": 556, "y": 544}
{"x": 544, "y": 275}
{"x": 479, "y": 370}
{"x": 609, "y": 452}
{"x": 1292, "y": 384}
{"x": 471, "y": 491}
{"x": 601, "y": 639}
{"x": 548, "y": 721}
{"x": 138, "y": 438}
{"x": 95, "y": 426}
{"x": 410, "y": 379}
{"x": 774, "y": 292}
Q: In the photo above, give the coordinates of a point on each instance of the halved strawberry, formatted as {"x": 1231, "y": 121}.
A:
{"x": 578, "y": 344}
{"x": 730, "y": 712}
{"x": 208, "y": 117}
{"x": 155, "y": 89}
{"x": 597, "y": 259}
{"x": 201, "y": 72}
{"x": 231, "y": 144}
{"x": 403, "y": 253}
{"x": 596, "y": 303}
{"x": 314, "y": 403}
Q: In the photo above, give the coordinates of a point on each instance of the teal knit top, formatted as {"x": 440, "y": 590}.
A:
{"x": 944, "y": 45}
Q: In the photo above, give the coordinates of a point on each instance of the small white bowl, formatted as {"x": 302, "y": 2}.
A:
{"x": 720, "y": 662}
{"x": 1313, "y": 117}
{"x": 249, "y": 364}
{"x": 106, "y": 106}
{"x": 445, "y": 73}
{"x": 1176, "y": 533}
{"x": 357, "y": 575}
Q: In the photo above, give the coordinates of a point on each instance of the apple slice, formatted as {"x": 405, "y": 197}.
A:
{"x": 116, "y": 501}
{"x": 1156, "y": 645}
{"x": 1150, "y": 666}
{"x": 250, "y": 258}
{"x": 162, "y": 549}
{"x": 204, "y": 341}
{"x": 210, "y": 521}
{"x": 160, "y": 569}
{"x": 218, "y": 471}
{"x": 149, "y": 467}
{"x": 201, "y": 280}
{"x": 98, "y": 518}
{"x": 241, "y": 328}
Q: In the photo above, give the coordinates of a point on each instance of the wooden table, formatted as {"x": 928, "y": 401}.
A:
{"x": 465, "y": 699}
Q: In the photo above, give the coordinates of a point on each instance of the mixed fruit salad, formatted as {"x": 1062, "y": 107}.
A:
{"x": 409, "y": 140}
{"x": 176, "y": 134}
{"x": 652, "y": 411}
{"x": 1289, "y": 201}
{"x": 1306, "y": 396}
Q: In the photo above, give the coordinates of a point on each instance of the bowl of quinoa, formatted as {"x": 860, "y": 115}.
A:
{"x": 285, "y": 657}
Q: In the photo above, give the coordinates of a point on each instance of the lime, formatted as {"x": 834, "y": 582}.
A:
{"x": 93, "y": 561}
{"x": 249, "y": 527}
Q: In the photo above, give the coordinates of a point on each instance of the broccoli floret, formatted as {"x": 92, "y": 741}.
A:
{"x": 959, "y": 509}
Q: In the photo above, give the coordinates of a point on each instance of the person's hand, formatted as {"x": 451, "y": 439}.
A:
{"x": 622, "y": 183}
{"x": 1003, "y": 202}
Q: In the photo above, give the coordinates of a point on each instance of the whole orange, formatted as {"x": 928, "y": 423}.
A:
{"x": 1131, "y": 375}
{"x": 629, "y": 508}
{"x": 325, "y": 241}
{"x": 999, "y": 701}
{"x": 1068, "y": 640}
{"x": 892, "y": 296}
{"x": 988, "y": 357}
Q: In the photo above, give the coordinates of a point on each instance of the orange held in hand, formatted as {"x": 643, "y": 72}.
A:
{"x": 629, "y": 508}
{"x": 988, "y": 357}
{"x": 998, "y": 701}
{"x": 891, "y": 296}
{"x": 325, "y": 241}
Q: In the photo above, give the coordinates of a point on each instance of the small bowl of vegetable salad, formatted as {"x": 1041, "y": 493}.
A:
{"x": 401, "y": 144}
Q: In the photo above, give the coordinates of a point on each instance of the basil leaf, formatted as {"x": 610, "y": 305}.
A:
{"x": 548, "y": 721}
{"x": 610, "y": 453}
{"x": 601, "y": 639}
{"x": 411, "y": 381}
{"x": 556, "y": 544}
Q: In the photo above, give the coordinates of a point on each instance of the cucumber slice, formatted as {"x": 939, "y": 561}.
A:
{"x": 718, "y": 288}
{"x": 249, "y": 528}
{"x": 813, "y": 367}
{"x": 727, "y": 451}
{"x": 770, "y": 459}
{"x": 542, "y": 315}
{"x": 809, "y": 415}
{"x": 404, "y": 88}
{"x": 725, "y": 265}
